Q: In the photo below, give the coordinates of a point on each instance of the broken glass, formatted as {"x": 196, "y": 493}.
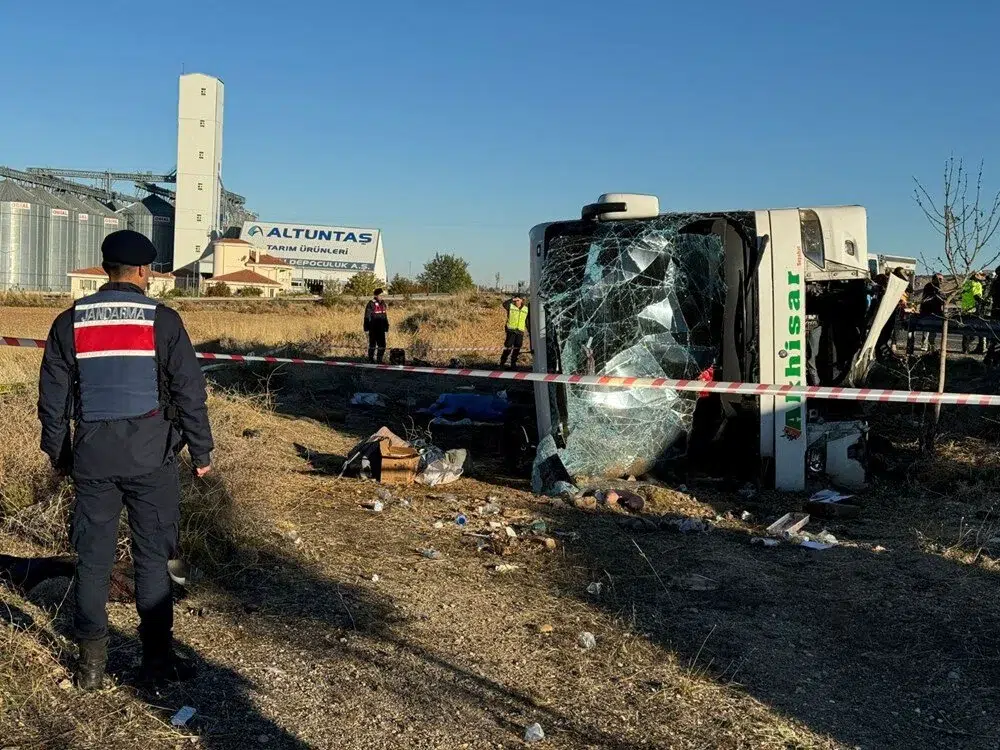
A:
{"x": 630, "y": 299}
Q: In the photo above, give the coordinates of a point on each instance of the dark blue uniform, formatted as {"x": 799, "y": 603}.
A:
{"x": 121, "y": 370}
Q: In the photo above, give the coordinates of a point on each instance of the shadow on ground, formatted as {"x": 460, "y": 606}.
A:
{"x": 876, "y": 649}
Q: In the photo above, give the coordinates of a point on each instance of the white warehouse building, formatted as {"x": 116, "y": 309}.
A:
{"x": 320, "y": 255}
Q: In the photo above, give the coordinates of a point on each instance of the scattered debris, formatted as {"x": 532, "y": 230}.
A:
{"x": 293, "y": 536}
{"x": 384, "y": 457}
{"x": 810, "y": 544}
{"x": 789, "y": 523}
{"x": 586, "y": 640}
{"x": 182, "y": 717}
{"x": 375, "y": 578}
{"x": 693, "y": 526}
{"x": 66, "y": 684}
{"x": 545, "y": 629}
{"x": 696, "y": 582}
{"x": 539, "y": 526}
{"x": 461, "y": 520}
{"x": 765, "y": 541}
{"x": 829, "y": 496}
{"x": 492, "y": 508}
{"x": 746, "y": 516}
{"x": 375, "y": 507}
{"x": 431, "y": 554}
{"x": 511, "y": 534}
{"x": 954, "y": 675}
{"x": 550, "y": 543}
{"x": 383, "y": 494}
{"x": 534, "y": 733}
{"x": 682, "y": 488}
{"x": 878, "y": 548}
{"x": 548, "y": 474}
{"x": 587, "y": 502}
{"x": 439, "y": 524}
{"x": 442, "y": 467}
{"x": 505, "y": 568}
{"x": 830, "y": 504}
{"x": 368, "y": 399}
{"x": 251, "y": 434}
{"x": 594, "y": 589}
{"x": 748, "y": 492}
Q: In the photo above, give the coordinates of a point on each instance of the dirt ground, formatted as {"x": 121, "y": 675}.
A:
{"x": 319, "y": 623}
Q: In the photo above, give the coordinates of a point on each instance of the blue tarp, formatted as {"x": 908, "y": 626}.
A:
{"x": 474, "y": 406}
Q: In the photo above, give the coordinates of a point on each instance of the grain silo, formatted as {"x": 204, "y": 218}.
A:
{"x": 89, "y": 232}
{"x": 154, "y": 218}
{"x": 61, "y": 252}
{"x": 23, "y": 225}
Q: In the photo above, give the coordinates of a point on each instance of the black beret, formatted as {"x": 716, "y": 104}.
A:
{"x": 128, "y": 248}
{"x": 377, "y": 292}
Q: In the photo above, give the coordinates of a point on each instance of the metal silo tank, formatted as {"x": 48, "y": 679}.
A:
{"x": 30, "y": 270}
{"x": 87, "y": 248}
{"x": 162, "y": 231}
{"x": 19, "y": 226}
{"x": 62, "y": 243}
{"x": 90, "y": 256}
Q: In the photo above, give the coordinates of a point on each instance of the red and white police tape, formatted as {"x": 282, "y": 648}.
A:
{"x": 688, "y": 386}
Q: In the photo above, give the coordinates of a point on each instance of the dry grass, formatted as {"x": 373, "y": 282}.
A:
{"x": 421, "y": 327}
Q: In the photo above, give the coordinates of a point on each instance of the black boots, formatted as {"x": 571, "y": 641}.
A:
{"x": 90, "y": 666}
{"x": 161, "y": 664}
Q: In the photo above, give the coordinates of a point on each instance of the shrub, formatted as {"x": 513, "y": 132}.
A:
{"x": 250, "y": 291}
{"x": 218, "y": 289}
{"x": 446, "y": 273}
{"x": 362, "y": 284}
{"x": 403, "y": 287}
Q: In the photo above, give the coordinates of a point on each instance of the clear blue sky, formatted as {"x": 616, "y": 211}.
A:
{"x": 456, "y": 126}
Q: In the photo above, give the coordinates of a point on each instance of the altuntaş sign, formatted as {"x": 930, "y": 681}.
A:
{"x": 316, "y": 247}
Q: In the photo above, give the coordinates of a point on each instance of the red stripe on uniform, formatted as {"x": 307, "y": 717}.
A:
{"x": 113, "y": 338}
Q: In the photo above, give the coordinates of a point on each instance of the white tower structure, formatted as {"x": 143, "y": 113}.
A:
{"x": 199, "y": 168}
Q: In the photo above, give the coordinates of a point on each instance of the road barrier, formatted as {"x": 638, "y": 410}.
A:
{"x": 607, "y": 381}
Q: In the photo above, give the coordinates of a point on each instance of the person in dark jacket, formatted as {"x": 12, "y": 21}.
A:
{"x": 120, "y": 392}
{"x": 376, "y": 326}
{"x": 932, "y": 303}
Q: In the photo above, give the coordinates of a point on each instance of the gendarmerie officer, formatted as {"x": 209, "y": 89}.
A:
{"x": 120, "y": 367}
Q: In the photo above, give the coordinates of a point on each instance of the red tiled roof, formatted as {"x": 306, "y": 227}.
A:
{"x": 245, "y": 277}
{"x": 98, "y": 271}
{"x": 267, "y": 260}
{"x": 232, "y": 240}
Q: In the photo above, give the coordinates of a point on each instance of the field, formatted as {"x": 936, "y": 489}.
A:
{"x": 319, "y": 623}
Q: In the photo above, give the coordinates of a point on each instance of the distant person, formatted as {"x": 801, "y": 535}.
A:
{"x": 972, "y": 305}
{"x": 517, "y": 326}
{"x": 376, "y": 326}
{"x": 932, "y": 304}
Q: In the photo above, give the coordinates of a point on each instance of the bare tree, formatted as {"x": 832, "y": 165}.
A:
{"x": 967, "y": 223}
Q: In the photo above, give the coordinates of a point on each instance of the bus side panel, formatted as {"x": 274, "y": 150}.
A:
{"x": 788, "y": 344}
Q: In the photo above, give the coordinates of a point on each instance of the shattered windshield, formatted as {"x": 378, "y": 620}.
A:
{"x": 630, "y": 299}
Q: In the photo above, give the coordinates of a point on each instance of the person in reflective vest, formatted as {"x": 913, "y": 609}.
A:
{"x": 120, "y": 392}
{"x": 517, "y": 326}
{"x": 971, "y": 303}
{"x": 376, "y": 326}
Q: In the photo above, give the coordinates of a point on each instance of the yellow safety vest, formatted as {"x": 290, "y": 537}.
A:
{"x": 517, "y": 318}
{"x": 970, "y": 291}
